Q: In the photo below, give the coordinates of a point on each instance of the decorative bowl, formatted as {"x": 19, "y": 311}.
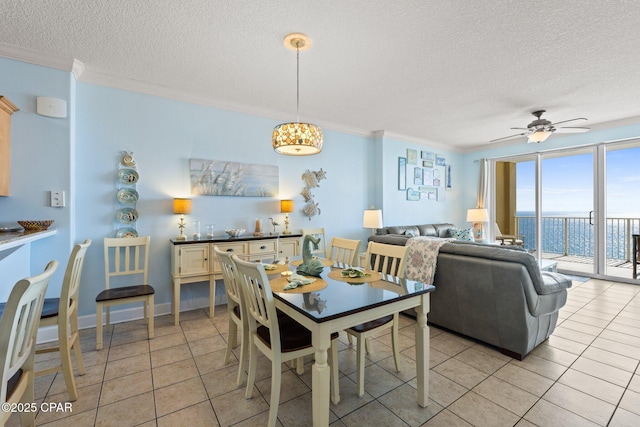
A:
{"x": 235, "y": 232}
{"x": 36, "y": 224}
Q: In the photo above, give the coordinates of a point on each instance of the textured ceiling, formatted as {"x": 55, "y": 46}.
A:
{"x": 453, "y": 72}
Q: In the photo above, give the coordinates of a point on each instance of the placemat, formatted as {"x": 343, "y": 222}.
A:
{"x": 277, "y": 285}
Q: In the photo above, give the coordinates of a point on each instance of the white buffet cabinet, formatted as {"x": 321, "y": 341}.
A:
{"x": 193, "y": 261}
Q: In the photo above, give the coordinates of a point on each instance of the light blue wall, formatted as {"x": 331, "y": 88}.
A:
{"x": 164, "y": 134}
{"x": 80, "y": 155}
{"x": 41, "y": 160}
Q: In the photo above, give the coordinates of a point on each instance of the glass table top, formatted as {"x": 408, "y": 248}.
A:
{"x": 339, "y": 298}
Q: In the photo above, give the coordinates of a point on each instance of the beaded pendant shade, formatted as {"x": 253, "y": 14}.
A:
{"x": 295, "y": 138}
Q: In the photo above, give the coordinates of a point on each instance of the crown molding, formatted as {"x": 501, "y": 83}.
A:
{"x": 38, "y": 58}
{"x": 81, "y": 73}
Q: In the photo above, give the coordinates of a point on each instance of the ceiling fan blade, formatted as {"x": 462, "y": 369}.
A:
{"x": 572, "y": 129}
{"x": 567, "y": 121}
{"x": 520, "y": 128}
{"x": 510, "y": 136}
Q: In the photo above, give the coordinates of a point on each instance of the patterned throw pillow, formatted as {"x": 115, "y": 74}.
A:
{"x": 464, "y": 234}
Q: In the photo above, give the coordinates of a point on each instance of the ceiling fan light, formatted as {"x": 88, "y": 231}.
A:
{"x": 539, "y": 136}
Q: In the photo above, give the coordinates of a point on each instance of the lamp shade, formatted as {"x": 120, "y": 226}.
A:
{"x": 286, "y": 206}
{"x": 181, "y": 206}
{"x": 297, "y": 139}
{"x": 477, "y": 215}
{"x": 372, "y": 218}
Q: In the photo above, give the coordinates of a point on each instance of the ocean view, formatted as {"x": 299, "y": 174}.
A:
{"x": 571, "y": 233}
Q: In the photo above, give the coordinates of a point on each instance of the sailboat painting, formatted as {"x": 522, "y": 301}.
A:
{"x": 220, "y": 178}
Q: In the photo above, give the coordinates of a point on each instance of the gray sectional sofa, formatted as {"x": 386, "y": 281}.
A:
{"x": 494, "y": 294}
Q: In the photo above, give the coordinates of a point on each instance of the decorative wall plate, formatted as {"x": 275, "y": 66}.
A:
{"x": 127, "y": 159}
{"x": 127, "y": 232}
{"x": 128, "y": 176}
{"x": 127, "y": 215}
{"x": 127, "y": 196}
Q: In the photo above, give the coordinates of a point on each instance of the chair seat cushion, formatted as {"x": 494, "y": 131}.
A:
{"x": 367, "y": 326}
{"x": 13, "y": 382}
{"x": 125, "y": 292}
{"x": 50, "y": 307}
{"x": 293, "y": 336}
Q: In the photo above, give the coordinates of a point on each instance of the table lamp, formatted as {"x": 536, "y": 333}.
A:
{"x": 372, "y": 219}
{"x": 286, "y": 207}
{"x": 181, "y": 207}
{"x": 478, "y": 216}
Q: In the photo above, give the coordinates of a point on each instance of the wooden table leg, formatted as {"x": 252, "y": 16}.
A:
{"x": 212, "y": 296}
{"x": 320, "y": 377}
{"x": 422, "y": 351}
{"x": 176, "y": 301}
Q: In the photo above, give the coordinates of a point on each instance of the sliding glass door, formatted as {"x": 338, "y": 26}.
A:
{"x": 568, "y": 217}
{"x": 574, "y": 207}
{"x": 622, "y": 206}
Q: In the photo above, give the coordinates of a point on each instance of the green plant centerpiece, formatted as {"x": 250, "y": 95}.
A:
{"x": 311, "y": 265}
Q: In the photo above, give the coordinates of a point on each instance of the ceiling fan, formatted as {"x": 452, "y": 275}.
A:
{"x": 540, "y": 129}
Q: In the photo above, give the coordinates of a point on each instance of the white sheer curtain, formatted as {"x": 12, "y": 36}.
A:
{"x": 483, "y": 184}
{"x": 481, "y": 203}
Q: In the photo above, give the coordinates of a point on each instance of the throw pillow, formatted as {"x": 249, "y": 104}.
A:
{"x": 464, "y": 234}
{"x": 409, "y": 233}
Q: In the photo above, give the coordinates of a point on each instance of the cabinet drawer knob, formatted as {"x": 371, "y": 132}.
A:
{"x": 206, "y": 259}
{"x": 263, "y": 247}
{"x": 229, "y": 250}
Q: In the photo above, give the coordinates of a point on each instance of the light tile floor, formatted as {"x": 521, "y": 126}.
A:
{"x": 587, "y": 373}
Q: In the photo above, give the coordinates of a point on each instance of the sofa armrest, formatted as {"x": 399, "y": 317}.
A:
{"x": 553, "y": 282}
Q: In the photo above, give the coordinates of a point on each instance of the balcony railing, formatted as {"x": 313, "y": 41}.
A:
{"x": 573, "y": 236}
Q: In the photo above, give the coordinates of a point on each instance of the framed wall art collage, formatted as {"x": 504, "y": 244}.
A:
{"x": 424, "y": 175}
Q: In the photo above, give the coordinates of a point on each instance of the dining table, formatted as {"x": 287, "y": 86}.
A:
{"x": 332, "y": 303}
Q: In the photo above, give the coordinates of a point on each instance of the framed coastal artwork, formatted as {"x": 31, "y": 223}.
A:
{"x": 412, "y": 156}
{"x": 220, "y": 178}
{"x": 413, "y": 195}
{"x": 428, "y": 179}
{"x": 402, "y": 173}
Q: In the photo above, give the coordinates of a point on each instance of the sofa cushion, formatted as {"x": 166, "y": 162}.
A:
{"x": 401, "y": 229}
{"x": 465, "y": 234}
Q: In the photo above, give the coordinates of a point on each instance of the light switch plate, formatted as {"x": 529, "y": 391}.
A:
{"x": 57, "y": 199}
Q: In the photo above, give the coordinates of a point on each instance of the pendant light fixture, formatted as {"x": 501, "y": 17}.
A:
{"x": 297, "y": 139}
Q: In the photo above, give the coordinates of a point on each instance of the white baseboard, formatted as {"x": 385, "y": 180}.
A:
{"x": 50, "y": 333}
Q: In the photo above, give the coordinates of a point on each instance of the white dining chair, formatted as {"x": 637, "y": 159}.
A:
{"x": 388, "y": 260}
{"x": 63, "y": 313}
{"x": 279, "y": 338}
{"x": 126, "y": 257}
{"x": 19, "y": 326}
{"x": 343, "y": 252}
{"x": 235, "y": 310}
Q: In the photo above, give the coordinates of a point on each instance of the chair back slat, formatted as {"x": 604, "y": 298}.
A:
{"x": 388, "y": 260}
{"x": 19, "y": 325}
{"x": 126, "y": 256}
{"x": 258, "y": 298}
{"x": 343, "y": 252}
{"x": 231, "y": 285}
{"x": 71, "y": 282}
